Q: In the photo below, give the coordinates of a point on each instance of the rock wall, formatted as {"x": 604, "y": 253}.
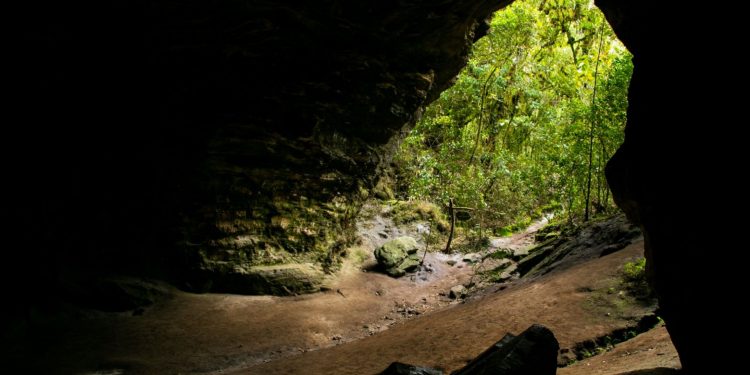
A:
{"x": 665, "y": 175}
{"x": 184, "y": 137}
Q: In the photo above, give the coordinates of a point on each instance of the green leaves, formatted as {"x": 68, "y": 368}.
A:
{"x": 513, "y": 133}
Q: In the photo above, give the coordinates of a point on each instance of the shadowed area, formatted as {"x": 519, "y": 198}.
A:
{"x": 193, "y": 141}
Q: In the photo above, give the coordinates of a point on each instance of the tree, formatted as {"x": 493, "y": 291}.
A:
{"x": 519, "y": 129}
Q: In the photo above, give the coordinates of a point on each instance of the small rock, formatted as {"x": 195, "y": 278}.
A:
{"x": 451, "y": 262}
{"x": 336, "y": 338}
{"x": 383, "y": 235}
{"x": 458, "y": 291}
{"x": 472, "y": 258}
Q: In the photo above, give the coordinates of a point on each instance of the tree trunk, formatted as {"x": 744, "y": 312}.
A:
{"x": 591, "y": 129}
{"x": 452, "y": 212}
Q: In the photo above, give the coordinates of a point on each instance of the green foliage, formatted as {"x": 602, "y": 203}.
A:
{"x": 500, "y": 254}
{"x": 635, "y": 271}
{"x": 404, "y": 212}
{"x": 513, "y": 134}
{"x": 634, "y": 278}
{"x": 359, "y": 254}
{"x": 504, "y": 232}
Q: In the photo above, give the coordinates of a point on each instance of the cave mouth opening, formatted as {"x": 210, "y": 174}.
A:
{"x": 530, "y": 122}
{"x": 94, "y": 189}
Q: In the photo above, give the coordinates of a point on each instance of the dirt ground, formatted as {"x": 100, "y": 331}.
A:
{"x": 449, "y": 338}
{"x": 362, "y": 322}
{"x": 366, "y": 321}
{"x": 651, "y": 350}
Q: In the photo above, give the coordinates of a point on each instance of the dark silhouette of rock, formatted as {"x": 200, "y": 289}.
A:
{"x": 533, "y": 352}
{"x": 398, "y": 368}
{"x": 653, "y": 173}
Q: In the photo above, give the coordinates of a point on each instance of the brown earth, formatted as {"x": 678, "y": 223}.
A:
{"x": 566, "y": 302}
{"x": 649, "y": 353}
{"x": 363, "y": 321}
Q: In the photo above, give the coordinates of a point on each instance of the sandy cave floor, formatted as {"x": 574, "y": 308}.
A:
{"x": 362, "y": 323}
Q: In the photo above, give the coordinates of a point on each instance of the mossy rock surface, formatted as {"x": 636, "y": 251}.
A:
{"x": 280, "y": 280}
{"x": 393, "y": 252}
{"x": 405, "y": 212}
{"x": 407, "y": 265}
{"x": 398, "y": 256}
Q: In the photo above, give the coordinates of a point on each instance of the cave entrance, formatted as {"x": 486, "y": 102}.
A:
{"x": 530, "y": 122}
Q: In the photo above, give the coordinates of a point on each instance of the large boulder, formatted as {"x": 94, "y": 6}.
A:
{"x": 533, "y": 352}
{"x": 398, "y": 256}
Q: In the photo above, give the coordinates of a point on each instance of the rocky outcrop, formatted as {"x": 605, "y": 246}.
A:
{"x": 232, "y": 131}
{"x": 398, "y": 256}
{"x": 308, "y": 103}
{"x": 574, "y": 245}
{"x": 560, "y": 247}
{"x": 280, "y": 280}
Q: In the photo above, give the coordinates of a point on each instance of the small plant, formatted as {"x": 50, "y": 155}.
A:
{"x": 634, "y": 278}
{"x": 635, "y": 271}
